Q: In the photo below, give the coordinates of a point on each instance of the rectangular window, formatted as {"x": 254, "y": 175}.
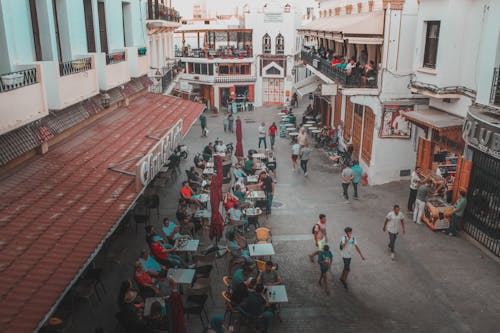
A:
{"x": 127, "y": 24}
{"x": 204, "y": 69}
{"x": 211, "y": 69}
{"x": 89, "y": 25}
{"x": 56, "y": 26}
{"x": 103, "y": 32}
{"x": 36, "y": 31}
{"x": 431, "y": 44}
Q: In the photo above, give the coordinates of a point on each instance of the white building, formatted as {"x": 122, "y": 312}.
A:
{"x": 62, "y": 54}
{"x": 365, "y": 109}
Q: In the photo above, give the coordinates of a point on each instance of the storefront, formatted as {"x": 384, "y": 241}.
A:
{"x": 481, "y": 133}
{"x": 440, "y": 155}
{"x": 323, "y": 108}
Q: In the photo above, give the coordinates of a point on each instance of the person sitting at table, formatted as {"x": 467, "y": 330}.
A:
{"x": 148, "y": 282}
{"x": 186, "y": 220}
{"x": 157, "y": 319}
{"x": 151, "y": 266}
{"x": 239, "y": 283}
{"x": 216, "y": 325}
{"x": 269, "y": 277}
{"x": 208, "y": 151}
{"x": 238, "y": 193}
{"x": 236, "y": 214}
{"x": 153, "y": 236}
{"x": 257, "y": 305}
{"x": 249, "y": 167}
{"x": 171, "y": 230}
{"x": 220, "y": 147}
{"x": 126, "y": 286}
{"x": 195, "y": 180}
{"x": 238, "y": 172}
{"x": 187, "y": 194}
{"x": 236, "y": 249}
{"x": 165, "y": 257}
{"x": 199, "y": 162}
{"x": 131, "y": 314}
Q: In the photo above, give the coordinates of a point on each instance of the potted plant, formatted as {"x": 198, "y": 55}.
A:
{"x": 79, "y": 64}
{"x": 117, "y": 56}
{"x": 12, "y": 79}
{"x": 142, "y": 51}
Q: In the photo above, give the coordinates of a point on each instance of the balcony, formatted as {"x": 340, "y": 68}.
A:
{"x": 234, "y": 78}
{"x": 113, "y": 69}
{"x": 158, "y": 11}
{"x": 339, "y": 75}
{"x": 23, "y": 92}
{"x": 209, "y": 79}
{"x": 139, "y": 62}
{"x": 221, "y": 53}
{"x": 495, "y": 88}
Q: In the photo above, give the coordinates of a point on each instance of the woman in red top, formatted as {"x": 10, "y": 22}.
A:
{"x": 272, "y": 133}
{"x": 164, "y": 256}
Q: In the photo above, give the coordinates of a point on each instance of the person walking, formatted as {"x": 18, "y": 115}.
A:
{"x": 203, "y": 123}
{"x": 347, "y": 176}
{"x": 267, "y": 185}
{"x": 305, "y": 154}
{"x": 272, "y": 134}
{"x": 458, "y": 212}
{"x": 415, "y": 182}
{"x": 325, "y": 262}
{"x": 295, "y": 155}
{"x": 320, "y": 236}
{"x": 357, "y": 172}
{"x": 391, "y": 225}
{"x": 262, "y": 134}
{"x": 302, "y": 137}
{"x": 347, "y": 243}
{"x": 230, "y": 124}
{"x": 226, "y": 123}
{"x": 423, "y": 192}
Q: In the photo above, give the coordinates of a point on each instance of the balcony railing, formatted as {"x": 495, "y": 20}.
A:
{"x": 220, "y": 53}
{"x": 355, "y": 79}
{"x": 495, "y": 87}
{"x": 19, "y": 79}
{"x": 234, "y": 78}
{"x": 114, "y": 58}
{"x": 75, "y": 66}
{"x": 158, "y": 11}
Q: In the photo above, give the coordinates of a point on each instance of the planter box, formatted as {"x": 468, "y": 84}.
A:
{"x": 142, "y": 51}
{"x": 12, "y": 79}
{"x": 79, "y": 65}
{"x": 117, "y": 57}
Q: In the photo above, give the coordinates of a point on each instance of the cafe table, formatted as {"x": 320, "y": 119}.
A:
{"x": 310, "y": 122}
{"x": 289, "y": 125}
{"x": 190, "y": 245}
{"x": 203, "y": 213}
{"x": 277, "y": 295}
{"x": 181, "y": 276}
{"x": 307, "y": 125}
{"x": 259, "y": 155}
{"x": 253, "y": 179}
{"x": 261, "y": 250}
{"x": 294, "y": 136}
{"x": 256, "y": 195}
{"x": 253, "y": 215}
{"x": 208, "y": 171}
{"x": 209, "y": 164}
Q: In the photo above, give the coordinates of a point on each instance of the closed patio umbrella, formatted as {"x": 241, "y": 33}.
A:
{"x": 178, "y": 313}
{"x": 216, "y": 223}
{"x": 239, "y": 137}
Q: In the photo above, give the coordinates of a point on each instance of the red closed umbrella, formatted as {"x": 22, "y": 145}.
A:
{"x": 178, "y": 313}
{"x": 216, "y": 222}
{"x": 239, "y": 135}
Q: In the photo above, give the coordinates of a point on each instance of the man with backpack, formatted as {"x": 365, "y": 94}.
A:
{"x": 320, "y": 236}
{"x": 347, "y": 243}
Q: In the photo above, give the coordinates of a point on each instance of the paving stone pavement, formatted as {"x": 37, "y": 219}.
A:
{"x": 436, "y": 283}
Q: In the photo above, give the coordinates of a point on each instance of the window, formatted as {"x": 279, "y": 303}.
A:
{"x": 287, "y": 8}
{"x": 280, "y": 44}
{"x": 127, "y": 24}
{"x": 36, "y": 32}
{"x": 431, "y": 44}
{"x": 89, "y": 25}
{"x": 266, "y": 44}
{"x": 103, "y": 32}
{"x": 56, "y": 26}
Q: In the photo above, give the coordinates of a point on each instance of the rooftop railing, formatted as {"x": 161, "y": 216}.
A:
{"x": 75, "y": 66}
{"x": 212, "y": 53}
{"x": 18, "y": 79}
{"x": 158, "y": 11}
{"x": 347, "y": 79}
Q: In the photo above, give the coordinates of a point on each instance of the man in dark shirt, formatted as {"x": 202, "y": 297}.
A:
{"x": 208, "y": 151}
{"x": 267, "y": 186}
{"x": 257, "y": 305}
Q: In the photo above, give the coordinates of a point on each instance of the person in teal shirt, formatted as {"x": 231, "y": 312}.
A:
{"x": 357, "y": 172}
{"x": 458, "y": 212}
{"x": 325, "y": 261}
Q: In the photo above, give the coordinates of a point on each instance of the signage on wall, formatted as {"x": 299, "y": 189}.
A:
{"x": 329, "y": 89}
{"x": 148, "y": 167}
{"x": 482, "y": 136}
{"x": 273, "y": 17}
{"x": 394, "y": 124}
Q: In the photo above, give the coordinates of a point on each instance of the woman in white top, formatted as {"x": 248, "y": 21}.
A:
{"x": 302, "y": 137}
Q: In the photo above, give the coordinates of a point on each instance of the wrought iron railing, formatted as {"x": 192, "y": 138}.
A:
{"x": 158, "y": 11}
{"x": 163, "y": 77}
{"x": 495, "y": 87}
{"x": 115, "y": 57}
{"x": 234, "y": 78}
{"x": 354, "y": 79}
{"x": 220, "y": 53}
{"x": 19, "y": 79}
{"x": 75, "y": 66}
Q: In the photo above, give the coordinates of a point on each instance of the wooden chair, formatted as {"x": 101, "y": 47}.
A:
{"x": 261, "y": 265}
{"x": 202, "y": 286}
{"x": 237, "y": 224}
{"x": 229, "y": 307}
{"x": 227, "y": 282}
{"x": 263, "y": 236}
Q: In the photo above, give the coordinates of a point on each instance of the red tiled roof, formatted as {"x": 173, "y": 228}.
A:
{"x": 57, "y": 208}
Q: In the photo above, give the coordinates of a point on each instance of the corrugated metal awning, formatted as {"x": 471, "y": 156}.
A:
{"x": 435, "y": 119}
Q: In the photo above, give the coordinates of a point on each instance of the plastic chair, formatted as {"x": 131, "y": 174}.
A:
{"x": 195, "y": 304}
{"x": 263, "y": 236}
{"x": 229, "y": 307}
{"x": 261, "y": 265}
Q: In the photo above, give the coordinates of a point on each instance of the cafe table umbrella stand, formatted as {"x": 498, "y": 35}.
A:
{"x": 239, "y": 144}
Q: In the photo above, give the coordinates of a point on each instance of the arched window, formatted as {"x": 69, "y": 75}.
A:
{"x": 280, "y": 44}
{"x": 287, "y": 8}
{"x": 266, "y": 44}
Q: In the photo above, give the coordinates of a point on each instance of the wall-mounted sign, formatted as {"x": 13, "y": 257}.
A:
{"x": 482, "y": 136}
{"x": 329, "y": 89}
{"x": 276, "y": 17}
{"x": 394, "y": 124}
{"x": 148, "y": 167}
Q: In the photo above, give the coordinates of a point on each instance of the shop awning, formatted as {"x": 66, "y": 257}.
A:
{"x": 308, "y": 85}
{"x": 57, "y": 209}
{"x": 429, "y": 93}
{"x": 435, "y": 119}
{"x": 367, "y": 27}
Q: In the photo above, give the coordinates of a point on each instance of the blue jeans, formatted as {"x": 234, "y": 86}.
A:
{"x": 271, "y": 139}
{"x": 269, "y": 197}
{"x": 453, "y": 225}
{"x": 263, "y": 140}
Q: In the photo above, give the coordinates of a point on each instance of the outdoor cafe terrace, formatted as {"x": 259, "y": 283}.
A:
{"x": 216, "y": 42}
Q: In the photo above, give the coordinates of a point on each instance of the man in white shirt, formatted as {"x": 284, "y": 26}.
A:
{"x": 220, "y": 147}
{"x": 347, "y": 176}
{"x": 262, "y": 134}
{"x": 391, "y": 225}
{"x": 295, "y": 155}
{"x": 236, "y": 214}
{"x": 415, "y": 182}
{"x": 347, "y": 243}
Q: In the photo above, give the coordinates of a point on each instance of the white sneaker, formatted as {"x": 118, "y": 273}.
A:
{"x": 392, "y": 256}
{"x": 305, "y": 174}
{"x": 418, "y": 222}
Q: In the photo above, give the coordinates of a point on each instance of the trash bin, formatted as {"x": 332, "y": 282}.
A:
{"x": 282, "y": 130}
